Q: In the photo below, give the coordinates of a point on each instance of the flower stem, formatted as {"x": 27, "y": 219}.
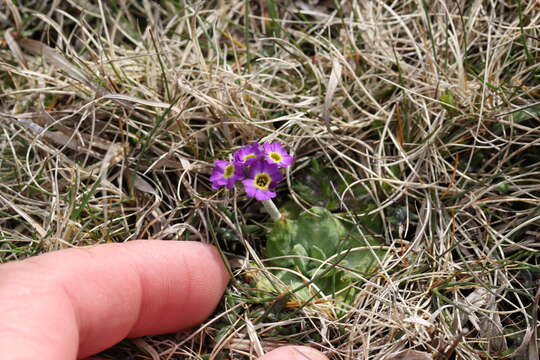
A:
{"x": 271, "y": 209}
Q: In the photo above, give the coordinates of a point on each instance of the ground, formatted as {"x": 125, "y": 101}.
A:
{"x": 415, "y": 131}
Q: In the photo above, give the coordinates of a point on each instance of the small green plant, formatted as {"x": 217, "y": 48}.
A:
{"x": 316, "y": 247}
{"x": 322, "y": 248}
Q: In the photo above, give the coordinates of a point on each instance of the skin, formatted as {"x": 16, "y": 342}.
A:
{"x": 73, "y": 303}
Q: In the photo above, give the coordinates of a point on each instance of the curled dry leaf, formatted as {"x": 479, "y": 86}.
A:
{"x": 482, "y": 314}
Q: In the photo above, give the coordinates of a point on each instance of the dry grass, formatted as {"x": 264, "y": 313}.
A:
{"x": 113, "y": 111}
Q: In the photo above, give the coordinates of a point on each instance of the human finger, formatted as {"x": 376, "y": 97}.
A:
{"x": 294, "y": 353}
{"x": 78, "y": 302}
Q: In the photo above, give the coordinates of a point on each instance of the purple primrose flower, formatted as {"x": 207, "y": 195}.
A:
{"x": 260, "y": 162}
{"x": 261, "y": 178}
{"x": 274, "y": 153}
{"x": 247, "y": 155}
{"x": 226, "y": 173}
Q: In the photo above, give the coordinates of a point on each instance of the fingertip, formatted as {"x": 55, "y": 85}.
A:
{"x": 180, "y": 283}
{"x": 195, "y": 280}
{"x": 294, "y": 353}
{"x": 94, "y": 297}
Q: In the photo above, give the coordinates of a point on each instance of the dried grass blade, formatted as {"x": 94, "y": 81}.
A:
{"x": 55, "y": 58}
{"x": 60, "y": 138}
{"x": 16, "y": 15}
{"x": 335, "y": 77}
{"x": 50, "y": 54}
{"x": 137, "y": 100}
{"x": 146, "y": 347}
{"x": 39, "y": 229}
{"x": 533, "y": 342}
{"x": 15, "y": 49}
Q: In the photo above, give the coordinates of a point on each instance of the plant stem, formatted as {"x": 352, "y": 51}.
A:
{"x": 271, "y": 209}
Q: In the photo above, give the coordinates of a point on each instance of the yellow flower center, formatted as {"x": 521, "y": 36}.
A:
{"x": 229, "y": 171}
{"x": 276, "y": 156}
{"x": 249, "y": 156}
{"x": 262, "y": 181}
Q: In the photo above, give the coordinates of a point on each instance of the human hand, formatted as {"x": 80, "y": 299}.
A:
{"x": 74, "y": 303}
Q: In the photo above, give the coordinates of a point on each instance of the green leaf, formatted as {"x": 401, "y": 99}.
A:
{"x": 290, "y": 280}
{"x": 326, "y": 188}
{"x": 527, "y": 113}
{"x": 448, "y": 101}
{"x": 300, "y": 261}
{"x": 323, "y": 237}
{"x": 321, "y": 229}
{"x": 318, "y": 253}
{"x": 322, "y": 186}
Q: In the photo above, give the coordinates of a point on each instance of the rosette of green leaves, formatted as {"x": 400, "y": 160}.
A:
{"x": 331, "y": 254}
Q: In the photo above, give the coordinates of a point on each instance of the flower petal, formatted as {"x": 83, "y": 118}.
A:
{"x": 218, "y": 178}
{"x": 250, "y": 188}
{"x": 248, "y": 154}
{"x": 264, "y": 194}
{"x": 270, "y": 151}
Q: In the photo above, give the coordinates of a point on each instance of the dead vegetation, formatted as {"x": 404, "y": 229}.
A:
{"x": 112, "y": 113}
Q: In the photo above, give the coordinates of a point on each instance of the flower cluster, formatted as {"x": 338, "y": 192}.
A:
{"x": 256, "y": 166}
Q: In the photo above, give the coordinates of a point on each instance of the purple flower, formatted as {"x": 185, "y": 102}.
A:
{"x": 247, "y": 155}
{"x": 261, "y": 178}
{"x": 274, "y": 153}
{"x": 225, "y": 174}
